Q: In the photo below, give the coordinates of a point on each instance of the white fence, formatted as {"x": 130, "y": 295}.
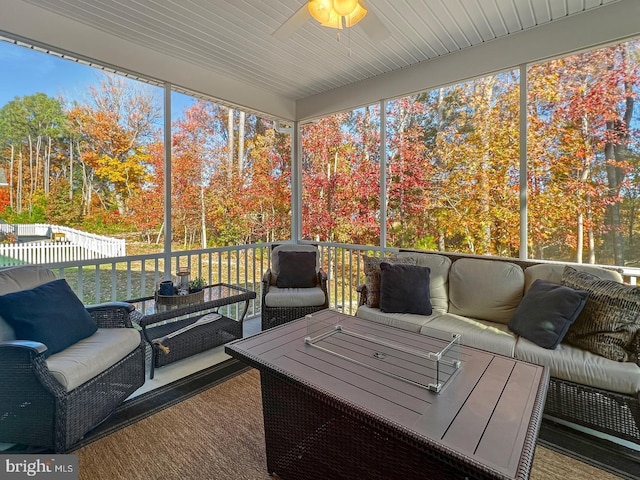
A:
{"x": 63, "y": 244}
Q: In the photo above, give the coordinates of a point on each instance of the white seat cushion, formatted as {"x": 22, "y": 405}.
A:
{"x": 491, "y": 336}
{"x": 294, "y": 297}
{"x": 405, "y": 321}
{"x": 580, "y": 366}
{"x": 87, "y": 358}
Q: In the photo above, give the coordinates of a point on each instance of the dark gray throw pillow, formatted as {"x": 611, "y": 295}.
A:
{"x": 404, "y": 289}
{"x": 296, "y": 270}
{"x": 50, "y": 314}
{"x": 546, "y": 312}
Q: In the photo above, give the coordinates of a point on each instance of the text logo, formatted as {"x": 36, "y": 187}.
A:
{"x": 41, "y": 467}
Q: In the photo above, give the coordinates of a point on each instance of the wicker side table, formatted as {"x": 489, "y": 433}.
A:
{"x": 176, "y": 316}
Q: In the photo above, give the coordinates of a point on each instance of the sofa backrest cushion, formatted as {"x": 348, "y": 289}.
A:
{"x": 15, "y": 279}
{"x": 485, "y": 289}
{"x": 552, "y": 272}
{"x": 438, "y": 278}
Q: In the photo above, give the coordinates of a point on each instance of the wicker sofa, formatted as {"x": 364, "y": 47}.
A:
{"x": 51, "y": 401}
{"x": 478, "y": 296}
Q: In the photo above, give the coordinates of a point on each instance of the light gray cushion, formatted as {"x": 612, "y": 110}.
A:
{"x": 405, "y": 321}
{"x": 552, "y": 272}
{"x": 485, "y": 289}
{"x": 490, "y": 336}
{"x": 85, "y": 359}
{"x": 16, "y": 279}
{"x": 294, "y": 297}
{"x": 438, "y": 278}
{"x": 581, "y": 366}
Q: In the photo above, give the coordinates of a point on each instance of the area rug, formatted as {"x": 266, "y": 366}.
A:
{"x": 218, "y": 434}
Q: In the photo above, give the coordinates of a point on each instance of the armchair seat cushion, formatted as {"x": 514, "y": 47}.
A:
{"x": 294, "y": 297}
{"x": 89, "y": 357}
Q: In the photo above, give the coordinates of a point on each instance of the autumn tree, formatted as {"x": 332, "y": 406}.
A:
{"x": 115, "y": 126}
{"x": 581, "y": 108}
{"x": 31, "y": 128}
{"x": 340, "y": 163}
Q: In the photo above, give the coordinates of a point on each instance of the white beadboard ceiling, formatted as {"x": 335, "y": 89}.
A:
{"x": 234, "y": 38}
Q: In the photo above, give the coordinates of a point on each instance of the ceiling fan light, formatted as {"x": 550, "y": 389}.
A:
{"x": 345, "y": 7}
{"x": 355, "y": 16}
{"x": 335, "y": 21}
{"x": 320, "y": 10}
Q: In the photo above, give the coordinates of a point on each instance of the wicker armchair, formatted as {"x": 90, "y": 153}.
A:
{"x": 282, "y": 305}
{"x": 36, "y": 410}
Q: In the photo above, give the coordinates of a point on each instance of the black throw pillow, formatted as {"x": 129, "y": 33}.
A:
{"x": 50, "y": 314}
{"x": 546, "y": 312}
{"x": 296, "y": 269}
{"x": 404, "y": 289}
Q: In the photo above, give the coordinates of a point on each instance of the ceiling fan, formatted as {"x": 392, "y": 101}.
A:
{"x": 335, "y": 14}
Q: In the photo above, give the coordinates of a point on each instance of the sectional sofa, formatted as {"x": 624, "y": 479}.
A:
{"x": 484, "y": 298}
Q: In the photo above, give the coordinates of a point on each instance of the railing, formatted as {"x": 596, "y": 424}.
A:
{"x": 133, "y": 277}
{"x": 68, "y": 245}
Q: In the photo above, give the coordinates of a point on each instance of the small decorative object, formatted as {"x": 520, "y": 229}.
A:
{"x": 184, "y": 284}
{"x": 166, "y": 288}
{"x": 196, "y": 285}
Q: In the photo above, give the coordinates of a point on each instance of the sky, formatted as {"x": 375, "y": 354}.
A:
{"x": 26, "y": 72}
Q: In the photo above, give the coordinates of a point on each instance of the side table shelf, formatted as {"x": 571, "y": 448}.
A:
{"x": 169, "y": 330}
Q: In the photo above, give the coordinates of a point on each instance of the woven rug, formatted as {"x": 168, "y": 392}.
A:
{"x": 218, "y": 434}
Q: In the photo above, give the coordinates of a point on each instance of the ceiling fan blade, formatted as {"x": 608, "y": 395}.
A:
{"x": 373, "y": 26}
{"x": 293, "y": 23}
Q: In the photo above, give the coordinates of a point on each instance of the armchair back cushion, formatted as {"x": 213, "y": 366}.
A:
{"x": 14, "y": 279}
{"x": 291, "y": 247}
{"x": 50, "y": 314}
{"x": 297, "y": 269}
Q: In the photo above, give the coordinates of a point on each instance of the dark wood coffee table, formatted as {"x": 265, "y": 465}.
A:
{"x": 329, "y": 417}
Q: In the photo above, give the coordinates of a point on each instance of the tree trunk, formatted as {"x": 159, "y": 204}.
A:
{"x": 579, "y": 237}
{"x": 230, "y": 144}
{"x": 19, "y": 184}
{"x": 241, "y": 121}
{"x": 203, "y": 217}
{"x": 12, "y": 163}
{"x": 70, "y": 169}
